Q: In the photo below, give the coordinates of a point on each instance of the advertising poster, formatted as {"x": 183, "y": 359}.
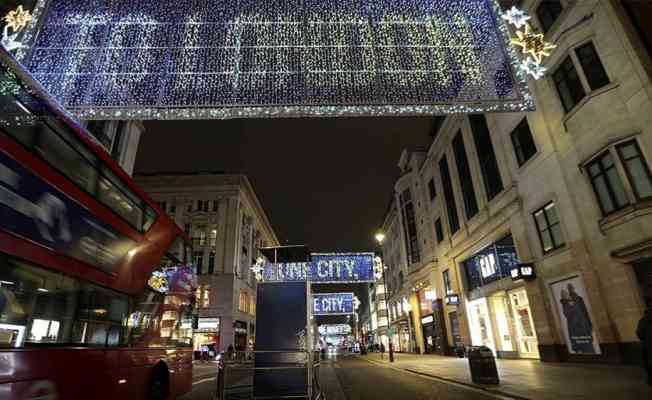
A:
{"x": 574, "y": 310}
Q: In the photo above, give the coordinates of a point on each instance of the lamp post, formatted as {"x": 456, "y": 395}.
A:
{"x": 380, "y": 237}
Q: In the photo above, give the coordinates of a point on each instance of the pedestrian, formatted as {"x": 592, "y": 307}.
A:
{"x": 204, "y": 353}
{"x": 382, "y": 350}
{"x": 644, "y": 332}
{"x": 229, "y": 352}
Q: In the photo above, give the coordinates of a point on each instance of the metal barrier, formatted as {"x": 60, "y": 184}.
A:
{"x": 238, "y": 372}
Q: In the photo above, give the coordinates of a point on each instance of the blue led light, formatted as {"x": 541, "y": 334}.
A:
{"x": 276, "y": 58}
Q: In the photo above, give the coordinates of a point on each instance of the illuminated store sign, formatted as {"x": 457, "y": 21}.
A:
{"x": 213, "y": 59}
{"x": 452, "y": 300}
{"x": 332, "y": 303}
{"x": 208, "y": 324}
{"x": 523, "y": 271}
{"x": 427, "y": 320}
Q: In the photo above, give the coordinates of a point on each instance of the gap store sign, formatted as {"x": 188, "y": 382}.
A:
{"x": 332, "y": 303}
{"x": 324, "y": 268}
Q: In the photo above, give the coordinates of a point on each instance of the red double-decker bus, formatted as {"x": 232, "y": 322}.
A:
{"x": 93, "y": 301}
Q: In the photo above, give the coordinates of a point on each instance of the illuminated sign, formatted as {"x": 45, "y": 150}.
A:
{"x": 158, "y": 281}
{"x": 180, "y": 278}
{"x": 523, "y": 271}
{"x": 190, "y": 59}
{"x": 324, "y": 268}
{"x": 334, "y": 329}
{"x": 427, "y": 320}
{"x": 431, "y": 295}
{"x": 208, "y": 323}
{"x": 332, "y": 303}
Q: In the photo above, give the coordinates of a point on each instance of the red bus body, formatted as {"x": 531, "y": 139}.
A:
{"x": 47, "y": 369}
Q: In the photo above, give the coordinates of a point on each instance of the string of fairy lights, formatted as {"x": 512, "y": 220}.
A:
{"x": 236, "y": 58}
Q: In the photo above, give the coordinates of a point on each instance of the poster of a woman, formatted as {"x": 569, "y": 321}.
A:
{"x": 574, "y": 313}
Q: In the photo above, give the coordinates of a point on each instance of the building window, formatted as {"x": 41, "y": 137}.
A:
{"x": 464, "y": 173}
{"x": 593, "y": 69}
{"x": 162, "y": 205}
{"x": 211, "y": 262}
{"x": 189, "y": 208}
{"x": 636, "y": 168}
{"x": 410, "y": 227}
{"x": 486, "y": 155}
{"x": 401, "y": 279}
{"x": 252, "y": 306}
{"x": 186, "y": 229}
{"x": 548, "y": 12}
{"x": 431, "y": 188}
{"x": 173, "y": 207}
{"x": 199, "y": 236}
{"x": 607, "y": 185}
{"x": 447, "y": 282}
{"x": 569, "y": 86}
{"x": 523, "y": 142}
{"x": 449, "y": 196}
{"x": 213, "y": 236}
{"x": 206, "y": 298}
{"x": 640, "y": 12}
{"x": 215, "y": 203}
{"x": 243, "y": 304}
{"x": 549, "y": 228}
{"x": 198, "y": 292}
{"x": 198, "y": 260}
{"x": 439, "y": 230}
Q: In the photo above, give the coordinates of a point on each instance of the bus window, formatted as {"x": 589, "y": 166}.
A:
{"x": 118, "y": 200}
{"x": 67, "y": 158}
{"x": 38, "y": 307}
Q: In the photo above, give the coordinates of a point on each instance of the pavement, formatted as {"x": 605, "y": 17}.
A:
{"x": 531, "y": 379}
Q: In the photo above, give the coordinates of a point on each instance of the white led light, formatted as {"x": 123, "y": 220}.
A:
{"x": 181, "y": 59}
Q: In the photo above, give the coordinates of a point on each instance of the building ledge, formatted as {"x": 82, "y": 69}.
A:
{"x": 625, "y": 215}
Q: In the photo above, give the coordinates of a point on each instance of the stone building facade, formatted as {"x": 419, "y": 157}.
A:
{"x": 227, "y": 225}
{"x": 566, "y": 190}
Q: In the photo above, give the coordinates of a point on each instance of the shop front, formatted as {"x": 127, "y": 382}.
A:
{"x": 502, "y": 319}
{"x": 206, "y": 335}
{"x": 432, "y": 323}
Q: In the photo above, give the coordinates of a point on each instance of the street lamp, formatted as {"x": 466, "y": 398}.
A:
{"x": 380, "y": 237}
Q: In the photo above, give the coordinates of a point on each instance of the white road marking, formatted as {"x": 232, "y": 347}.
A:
{"x": 204, "y": 380}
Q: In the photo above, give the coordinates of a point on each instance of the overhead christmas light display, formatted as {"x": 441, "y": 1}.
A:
{"x": 160, "y": 59}
{"x": 532, "y": 43}
{"x": 15, "y": 22}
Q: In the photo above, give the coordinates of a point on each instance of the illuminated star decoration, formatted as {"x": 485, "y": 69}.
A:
{"x": 18, "y": 19}
{"x": 258, "y": 269}
{"x": 533, "y": 43}
{"x": 516, "y": 17}
{"x": 531, "y": 67}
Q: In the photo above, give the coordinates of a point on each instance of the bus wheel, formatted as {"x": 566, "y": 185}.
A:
{"x": 159, "y": 388}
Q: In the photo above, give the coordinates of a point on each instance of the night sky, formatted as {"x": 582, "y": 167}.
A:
{"x": 325, "y": 183}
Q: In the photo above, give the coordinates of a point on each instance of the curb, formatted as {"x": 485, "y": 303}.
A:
{"x": 440, "y": 378}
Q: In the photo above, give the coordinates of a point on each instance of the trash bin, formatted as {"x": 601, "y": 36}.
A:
{"x": 483, "y": 366}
